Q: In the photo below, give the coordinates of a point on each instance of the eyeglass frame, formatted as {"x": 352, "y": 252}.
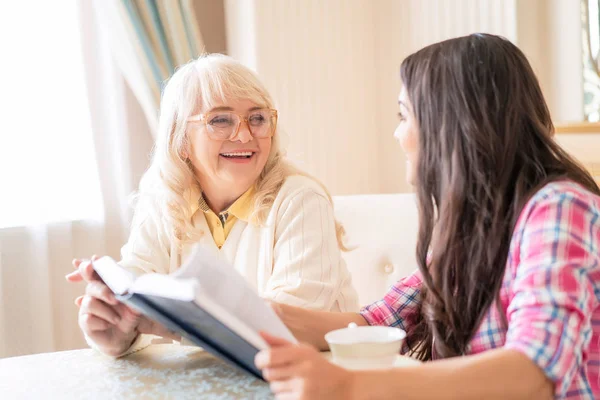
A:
{"x": 243, "y": 118}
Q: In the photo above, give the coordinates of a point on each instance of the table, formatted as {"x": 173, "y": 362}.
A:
{"x": 161, "y": 371}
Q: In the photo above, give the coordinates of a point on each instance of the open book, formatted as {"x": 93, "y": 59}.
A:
{"x": 206, "y": 301}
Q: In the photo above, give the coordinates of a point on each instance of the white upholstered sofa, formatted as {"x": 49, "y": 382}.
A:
{"x": 384, "y": 229}
{"x": 384, "y": 226}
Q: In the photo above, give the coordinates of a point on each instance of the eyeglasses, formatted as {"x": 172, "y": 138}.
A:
{"x": 225, "y": 125}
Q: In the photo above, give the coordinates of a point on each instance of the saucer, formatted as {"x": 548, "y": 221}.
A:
{"x": 401, "y": 361}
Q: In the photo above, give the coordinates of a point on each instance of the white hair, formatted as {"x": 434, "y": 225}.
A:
{"x": 169, "y": 184}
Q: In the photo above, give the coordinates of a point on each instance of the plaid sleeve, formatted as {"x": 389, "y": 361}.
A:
{"x": 399, "y": 306}
{"x": 549, "y": 314}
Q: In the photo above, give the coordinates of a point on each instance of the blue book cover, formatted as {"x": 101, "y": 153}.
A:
{"x": 206, "y": 302}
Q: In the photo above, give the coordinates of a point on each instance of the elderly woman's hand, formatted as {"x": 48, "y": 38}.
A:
{"x": 110, "y": 324}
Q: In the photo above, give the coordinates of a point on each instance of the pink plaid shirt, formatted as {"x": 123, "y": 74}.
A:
{"x": 550, "y": 293}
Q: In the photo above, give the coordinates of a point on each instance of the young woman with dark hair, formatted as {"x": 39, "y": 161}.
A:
{"x": 505, "y": 302}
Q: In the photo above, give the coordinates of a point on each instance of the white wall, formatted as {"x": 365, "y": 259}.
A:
{"x": 333, "y": 67}
{"x": 549, "y": 33}
{"x": 584, "y": 146}
{"x": 318, "y": 60}
{"x": 403, "y": 27}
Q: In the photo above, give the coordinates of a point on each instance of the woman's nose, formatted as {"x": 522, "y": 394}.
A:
{"x": 243, "y": 135}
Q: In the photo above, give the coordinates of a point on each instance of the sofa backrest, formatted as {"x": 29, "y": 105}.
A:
{"x": 383, "y": 228}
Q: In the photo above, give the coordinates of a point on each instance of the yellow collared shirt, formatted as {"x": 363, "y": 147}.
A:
{"x": 220, "y": 225}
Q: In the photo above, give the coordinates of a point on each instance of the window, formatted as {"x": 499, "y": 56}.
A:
{"x": 591, "y": 59}
{"x": 47, "y": 163}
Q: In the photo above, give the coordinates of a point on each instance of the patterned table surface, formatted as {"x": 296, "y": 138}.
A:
{"x": 162, "y": 371}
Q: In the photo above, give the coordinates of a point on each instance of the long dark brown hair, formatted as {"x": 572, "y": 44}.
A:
{"x": 485, "y": 146}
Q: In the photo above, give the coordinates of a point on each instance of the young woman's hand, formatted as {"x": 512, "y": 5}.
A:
{"x": 299, "y": 371}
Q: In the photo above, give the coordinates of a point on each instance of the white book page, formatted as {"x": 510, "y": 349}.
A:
{"x": 186, "y": 289}
{"x": 232, "y": 322}
{"x": 165, "y": 286}
{"x": 222, "y": 289}
{"x": 118, "y": 279}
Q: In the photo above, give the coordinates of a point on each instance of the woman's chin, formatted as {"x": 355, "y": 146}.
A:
{"x": 237, "y": 177}
{"x": 410, "y": 178}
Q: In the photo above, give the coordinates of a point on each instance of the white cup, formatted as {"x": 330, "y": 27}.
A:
{"x": 365, "y": 347}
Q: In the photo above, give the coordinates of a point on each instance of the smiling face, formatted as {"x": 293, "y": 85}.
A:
{"x": 232, "y": 164}
{"x": 407, "y": 135}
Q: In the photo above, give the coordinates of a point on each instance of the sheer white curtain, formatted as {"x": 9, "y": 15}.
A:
{"x": 73, "y": 145}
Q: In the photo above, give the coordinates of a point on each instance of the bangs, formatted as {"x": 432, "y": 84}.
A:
{"x": 220, "y": 82}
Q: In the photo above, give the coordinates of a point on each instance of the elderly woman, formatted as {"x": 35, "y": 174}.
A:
{"x": 219, "y": 178}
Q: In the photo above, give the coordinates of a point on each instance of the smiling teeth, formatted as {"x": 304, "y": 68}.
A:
{"x": 244, "y": 154}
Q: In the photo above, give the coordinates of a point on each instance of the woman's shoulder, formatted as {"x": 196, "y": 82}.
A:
{"x": 557, "y": 235}
{"x": 299, "y": 185}
{"x": 565, "y": 188}
{"x": 563, "y": 192}
{"x": 300, "y": 194}
{"x": 564, "y": 203}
